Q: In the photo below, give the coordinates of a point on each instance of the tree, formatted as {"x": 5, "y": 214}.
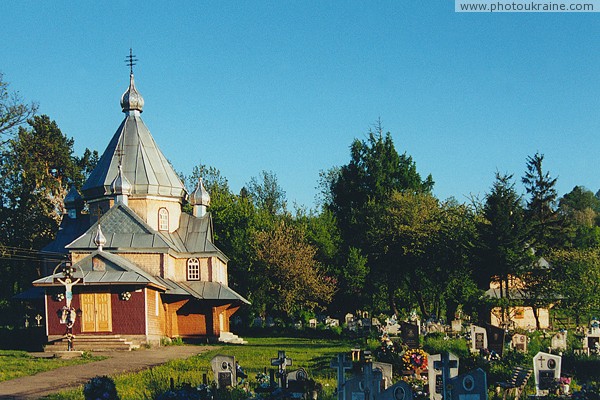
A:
{"x": 291, "y": 278}
{"x": 38, "y": 168}
{"x": 541, "y": 215}
{"x": 13, "y": 111}
{"x": 266, "y": 193}
{"x": 503, "y": 238}
{"x": 580, "y": 209}
{"x": 578, "y": 280}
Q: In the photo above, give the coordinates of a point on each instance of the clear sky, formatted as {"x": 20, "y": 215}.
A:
{"x": 285, "y": 86}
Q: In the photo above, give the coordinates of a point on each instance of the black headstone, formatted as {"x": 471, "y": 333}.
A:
{"x": 495, "y": 339}
{"x": 410, "y": 335}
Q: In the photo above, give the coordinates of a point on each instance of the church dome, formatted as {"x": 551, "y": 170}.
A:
{"x": 200, "y": 196}
{"x": 121, "y": 184}
{"x": 132, "y": 99}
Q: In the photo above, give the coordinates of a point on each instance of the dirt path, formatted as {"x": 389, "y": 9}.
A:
{"x": 45, "y": 383}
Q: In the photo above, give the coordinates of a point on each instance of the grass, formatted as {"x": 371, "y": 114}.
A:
{"x": 15, "y": 364}
{"x": 313, "y": 355}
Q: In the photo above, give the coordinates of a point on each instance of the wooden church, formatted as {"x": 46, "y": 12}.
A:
{"x": 144, "y": 269}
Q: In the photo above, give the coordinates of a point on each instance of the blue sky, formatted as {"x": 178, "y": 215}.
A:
{"x": 285, "y": 86}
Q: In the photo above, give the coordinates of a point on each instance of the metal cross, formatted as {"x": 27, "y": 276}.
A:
{"x": 341, "y": 364}
{"x": 120, "y": 153}
{"x": 282, "y": 361}
{"x": 130, "y": 60}
{"x": 444, "y": 365}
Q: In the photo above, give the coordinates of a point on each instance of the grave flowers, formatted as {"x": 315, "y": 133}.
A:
{"x": 415, "y": 360}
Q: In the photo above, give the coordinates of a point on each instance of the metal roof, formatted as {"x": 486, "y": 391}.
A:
{"x": 144, "y": 165}
{"x": 101, "y": 267}
{"x": 202, "y": 290}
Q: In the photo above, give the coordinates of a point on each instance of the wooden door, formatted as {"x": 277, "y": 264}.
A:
{"x": 96, "y": 312}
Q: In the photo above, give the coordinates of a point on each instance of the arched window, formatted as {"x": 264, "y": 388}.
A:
{"x": 193, "y": 269}
{"x": 163, "y": 219}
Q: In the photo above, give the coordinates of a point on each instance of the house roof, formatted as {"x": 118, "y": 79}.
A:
{"x": 101, "y": 268}
{"x": 144, "y": 165}
{"x": 202, "y": 290}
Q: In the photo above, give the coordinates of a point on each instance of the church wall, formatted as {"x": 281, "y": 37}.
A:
{"x": 150, "y": 263}
{"x": 147, "y": 209}
{"x": 155, "y": 315}
{"x": 187, "y": 318}
{"x": 522, "y": 317}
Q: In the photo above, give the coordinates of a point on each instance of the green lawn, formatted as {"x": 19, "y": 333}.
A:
{"x": 14, "y": 364}
{"x": 313, "y": 355}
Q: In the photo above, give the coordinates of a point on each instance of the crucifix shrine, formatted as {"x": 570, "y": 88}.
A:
{"x": 282, "y": 362}
{"x": 341, "y": 365}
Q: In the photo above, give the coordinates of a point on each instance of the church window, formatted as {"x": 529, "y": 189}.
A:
{"x": 163, "y": 219}
{"x": 193, "y": 269}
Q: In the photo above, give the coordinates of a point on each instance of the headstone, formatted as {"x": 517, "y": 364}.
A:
{"x": 519, "y": 342}
{"x": 440, "y": 367}
{"x": 341, "y": 364}
{"x": 456, "y": 325}
{"x": 399, "y": 391}
{"x": 282, "y": 362}
{"x": 387, "y": 372}
{"x": 312, "y": 323}
{"x": 363, "y": 385}
{"x": 469, "y": 386}
{"x": 223, "y": 368}
{"x": 332, "y": 322}
{"x": 591, "y": 343}
{"x": 559, "y": 341}
{"x": 348, "y": 318}
{"x": 478, "y": 338}
{"x": 297, "y": 383}
{"x": 595, "y": 326}
{"x": 410, "y": 335}
{"x": 495, "y": 338}
{"x": 393, "y": 329}
{"x": 546, "y": 368}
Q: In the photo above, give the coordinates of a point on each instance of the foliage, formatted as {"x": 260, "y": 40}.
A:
{"x": 100, "y": 387}
{"x": 266, "y": 193}
{"x": 13, "y": 111}
{"x": 438, "y": 343}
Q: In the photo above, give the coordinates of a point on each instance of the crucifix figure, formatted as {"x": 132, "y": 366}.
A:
{"x": 68, "y": 289}
{"x": 282, "y": 362}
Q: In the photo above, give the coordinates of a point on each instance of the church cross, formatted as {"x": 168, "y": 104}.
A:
{"x": 130, "y": 60}
{"x": 120, "y": 153}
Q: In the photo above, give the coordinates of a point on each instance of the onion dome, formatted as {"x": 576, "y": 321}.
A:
{"x": 73, "y": 199}
{"x": 121, "y": 185}
{"x": 99, "y": 239}
{"x": 132, "y": 99}
{"x": 200, "y": 196}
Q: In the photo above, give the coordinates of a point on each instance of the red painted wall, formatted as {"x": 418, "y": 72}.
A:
{"x": 128, "y": 317}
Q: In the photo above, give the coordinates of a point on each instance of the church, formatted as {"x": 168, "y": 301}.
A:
{"x": 144, "y": 269}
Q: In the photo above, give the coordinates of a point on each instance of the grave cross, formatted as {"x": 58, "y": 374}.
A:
{"x": 541, "y": 360}
{"x": 341, "y": 364}
{"x": 38, "y": 319}
{"x": 281, "y": 361}
{"x": 444, "y": 365}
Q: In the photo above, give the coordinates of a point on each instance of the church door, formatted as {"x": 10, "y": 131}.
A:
{"x": 96, "y": 312}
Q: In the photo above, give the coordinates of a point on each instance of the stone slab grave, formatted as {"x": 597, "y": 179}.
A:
{"x": 478, "y": 338}
{"x": 440, "y": 368}
{"x": 559, "y": 341}
{"x": 224, "y": 370}
{"x": 591, "y": 343}
{"x": 519, "y": 342}
{"x": 410, "y": 335}
{"x": 546, "y": 368}
{"x": 387, "y": 372}
{"x": 495, "y": 337}
{"x": 469, "y": 386}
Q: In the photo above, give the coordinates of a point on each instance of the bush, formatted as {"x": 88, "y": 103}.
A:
{"x": 100, "y": 387}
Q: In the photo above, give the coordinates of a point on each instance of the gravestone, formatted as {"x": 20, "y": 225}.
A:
{"x": 297, "y": 383}
{"x": 438, "y": 365}
{"x": 399, "y": 391}
{"x": 387, "y": 372}
{"x": 341, "y": 365}
{"x": 312, "y": 323}
{"x": 559, "y": 341}
{"x": 364, "y": 384}
{"x": 469, "y": 386}
{"x": 519, "y": 342}
{"x": 591, "y": 343}
{"x": 223, "y": 368}
{"x": 332, "y": 322}
{"x": 410, "y": 335}
{"x": 456, "y": 325}
{"x": 282, "y": 362}
{"x": 478, "y": 338}
{"x": 348, "y": 318}
{"x": 546, "y": 368}
{"x": 495, "y": 337}
{"x": 595, "y": 326}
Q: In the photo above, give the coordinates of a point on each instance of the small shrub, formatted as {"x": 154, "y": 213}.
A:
{"x": 100, "y": 387}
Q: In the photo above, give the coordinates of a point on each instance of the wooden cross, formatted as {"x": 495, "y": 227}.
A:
{"x": 341, "y": 364}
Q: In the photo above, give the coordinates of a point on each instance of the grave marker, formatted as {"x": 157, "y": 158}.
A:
{"x": 478, "y": 338}
{"x": 519, "y": 342}
{"x": 495, "y": 337}
{"x": 399, "y": 391}
{"x": 469, "y": 386}
{"x": 546, "y": 368}
{"x": 440, "y": 364}
{"x": 341, "y": 365}
{"x": 410, "y": 335}
{"x": 223, "y": 368}
{"x": 282, "y": 362}
{"x": 559, "y": 341}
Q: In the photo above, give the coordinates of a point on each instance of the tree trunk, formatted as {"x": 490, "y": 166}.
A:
{"x": 536, "y": 316}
